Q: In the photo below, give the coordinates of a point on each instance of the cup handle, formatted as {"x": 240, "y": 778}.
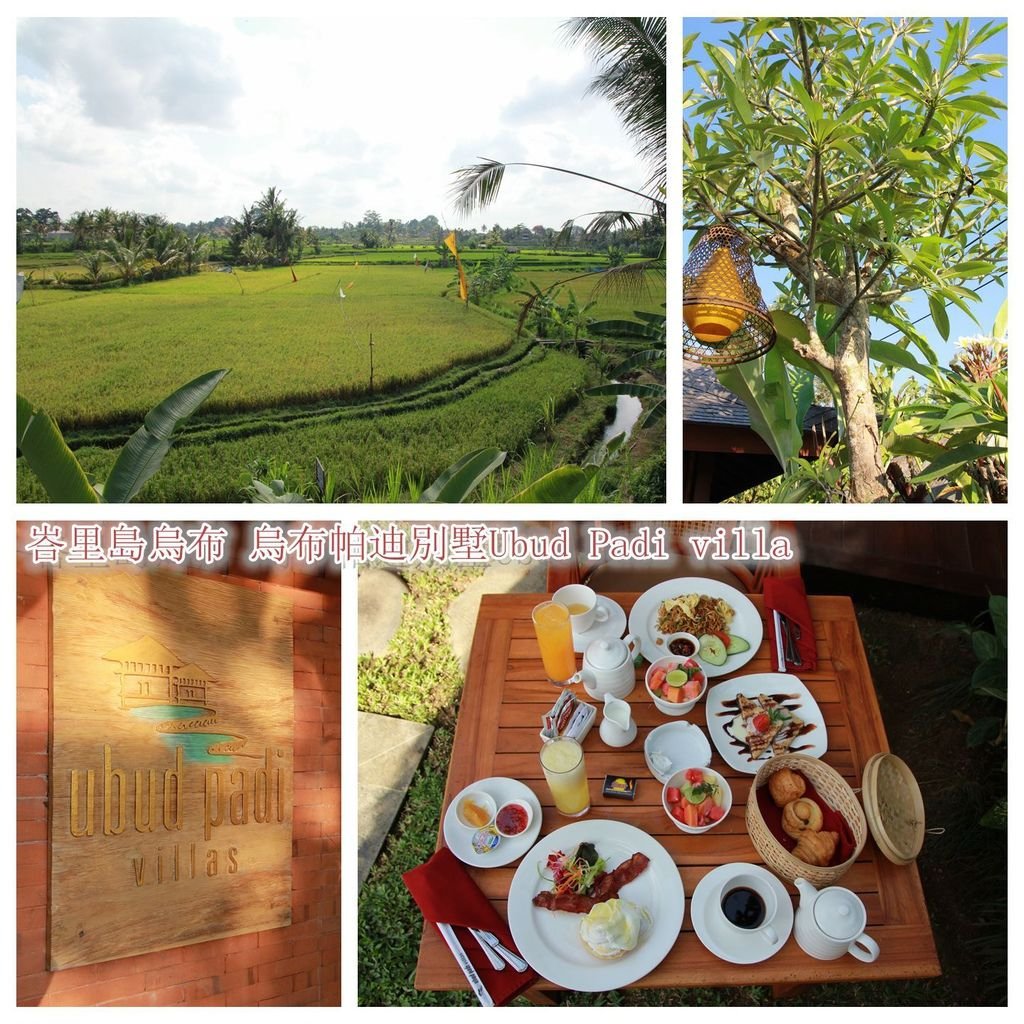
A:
{"x": 600, "y": 613}
{"x": 770, "y": 935}
{"x": 575, "y": 678}
{"x": 865, "y": 948}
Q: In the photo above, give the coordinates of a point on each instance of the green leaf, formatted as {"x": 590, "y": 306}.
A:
{"x": 48, "y": 456}
{"x": 985, "y": 645}
{"x": 560, "y": 485}
{"x": 893, "y": 355}
{"x": 791, "y": 326}
{"x": 984, "y": 730}
{"x": 956, "y": 458}
{"x": 999, "y": 327}
{"x": 140, "y": 458}
{"x": 939, "y": 315}
{"x": 996, "y": 816}
{"x": 997, "y": 610}
{"x": 461, "y": 478}
{"x": 990, "y": 677}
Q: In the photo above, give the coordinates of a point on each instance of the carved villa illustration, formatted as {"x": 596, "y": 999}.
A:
{"x": 151, "y": 673}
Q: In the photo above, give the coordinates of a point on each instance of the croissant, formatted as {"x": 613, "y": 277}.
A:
{"x": 785, "y": 786}
{"x": 800, "y": 816}
{"x": 817, "y": 848}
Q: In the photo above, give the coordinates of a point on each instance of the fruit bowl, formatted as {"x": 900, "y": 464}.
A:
{"x": 684, "y": 697}
{"x": 684, "y": 783}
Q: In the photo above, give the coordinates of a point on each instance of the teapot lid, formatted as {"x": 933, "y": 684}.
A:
{"x": 606, "y": 654}
{"x": 839, "y": 913}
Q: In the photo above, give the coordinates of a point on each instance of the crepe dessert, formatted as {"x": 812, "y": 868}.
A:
{"x": 763, "y": 725}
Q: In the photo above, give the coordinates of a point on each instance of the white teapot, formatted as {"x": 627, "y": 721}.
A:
{"x": 608, "y": 667}
{"x": 830, "y": 923}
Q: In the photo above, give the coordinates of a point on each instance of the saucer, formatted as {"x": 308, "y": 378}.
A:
{"x": 710, "y": 927}
{"x": 682, "y": 742}
{"x": 611, "y": 629}
{"x": 459, "y": 839}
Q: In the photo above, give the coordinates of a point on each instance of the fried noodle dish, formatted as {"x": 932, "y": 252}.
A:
{"x": 694, "y": 613}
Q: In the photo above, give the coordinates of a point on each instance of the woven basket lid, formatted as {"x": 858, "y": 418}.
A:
{"x": 893, "y": 807}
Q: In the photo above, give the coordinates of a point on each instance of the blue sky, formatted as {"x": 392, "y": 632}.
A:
{"x": 992, "y": 295}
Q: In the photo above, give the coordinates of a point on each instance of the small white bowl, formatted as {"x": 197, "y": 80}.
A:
{"x": 670, "y": 638}
{"x": 667, "y": 707}
{"x": 677, "y": 782}
{"x": 514, "y": 803}
{"x": 482, "y": 800}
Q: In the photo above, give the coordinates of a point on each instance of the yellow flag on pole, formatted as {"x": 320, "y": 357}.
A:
{"x": 463, "y": 286}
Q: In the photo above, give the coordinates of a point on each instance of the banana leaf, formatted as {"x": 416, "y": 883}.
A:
{"x": 48, "y": 456}
{"x": 461, "y": 478}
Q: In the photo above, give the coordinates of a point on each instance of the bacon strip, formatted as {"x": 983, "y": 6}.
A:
{"x": 606, "y": 887}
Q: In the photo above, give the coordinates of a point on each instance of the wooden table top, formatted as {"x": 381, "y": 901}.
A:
{"x": 505, "y": 695}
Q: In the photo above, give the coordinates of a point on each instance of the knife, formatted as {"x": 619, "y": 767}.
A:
{"x": 504, "y": 952}
{"x": 448, "y": 934}
{"x": 779, "y": 652}
{"x": 492, "y": 954}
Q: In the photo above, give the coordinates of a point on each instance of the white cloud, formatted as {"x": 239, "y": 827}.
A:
{"x": 195, "y": 118}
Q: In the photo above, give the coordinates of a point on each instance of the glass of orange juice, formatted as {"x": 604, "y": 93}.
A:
{"x": 553, "y": 626}
{"x": 566, "y": 773}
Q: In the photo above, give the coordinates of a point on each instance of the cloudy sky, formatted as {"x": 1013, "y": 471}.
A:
{"x": 194, "y": 118}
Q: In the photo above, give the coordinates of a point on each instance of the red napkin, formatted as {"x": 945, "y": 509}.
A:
{"x": 832, "y": 821}
{"x": 786, "y": 595}
{"x": 446, "y": 894}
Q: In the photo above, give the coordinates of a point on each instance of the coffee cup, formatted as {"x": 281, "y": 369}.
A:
{"x": 581, "y": 601}
{"x": 747, "y": 905}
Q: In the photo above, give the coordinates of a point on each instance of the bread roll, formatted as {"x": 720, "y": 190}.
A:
{"x": 786, "y": 786}
{"x": 817, "y": 848}
{"x": 800, "y": 816}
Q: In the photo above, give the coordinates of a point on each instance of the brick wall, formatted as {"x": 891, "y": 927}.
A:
{"x": 294, "y": 966}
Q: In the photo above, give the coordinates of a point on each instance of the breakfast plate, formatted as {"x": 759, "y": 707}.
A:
{"x": 715, "y": 932}
{"x": 746, "y": 622}
{"x": 723, "y": 711}
{"x": 549, "y": 940}
{"x": 459, "y": 839}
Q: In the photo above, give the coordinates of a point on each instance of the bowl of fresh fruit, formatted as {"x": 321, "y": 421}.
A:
{"x": 696, "y": 799}
{"x": 676, "y": 684}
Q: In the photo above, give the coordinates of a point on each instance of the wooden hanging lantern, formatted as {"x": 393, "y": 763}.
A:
{"x": 725, "y": 319}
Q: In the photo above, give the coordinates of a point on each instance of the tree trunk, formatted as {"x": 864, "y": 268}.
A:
{"x": 867, "y": 477}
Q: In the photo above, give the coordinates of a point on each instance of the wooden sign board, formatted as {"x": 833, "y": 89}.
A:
{"x": 171, "y": 773}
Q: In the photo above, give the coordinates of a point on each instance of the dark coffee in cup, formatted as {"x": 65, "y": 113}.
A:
{"x": 743, "y": 907}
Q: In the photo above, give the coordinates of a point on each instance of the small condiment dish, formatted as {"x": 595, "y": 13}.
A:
{"x": 502, "y": 827}
{"x": 686, "y": 645}
{"x": 677, "y": 782}
{"x": 474, "y": 819}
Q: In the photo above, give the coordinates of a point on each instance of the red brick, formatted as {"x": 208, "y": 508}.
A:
{"x": 32, "y": 896}
{"x": 165, "y": 977}
{"x": 33, "y": 650}
{"x": 34, "y": 741}
{"x": 32, "y": 763}
{"x": 243, "y": 978}
{"x": 304, "y": 997}
{"x": 31, "y": 861}
{"x": 307, "y": 714}
{"x": 32, "y": 786}
{"x": 161, "y": 997}
{"x": 33, "y": 830}
{"x": 308, "y": 631}
{"x": 258, "y": 955}
{"x": 273, "y": 989}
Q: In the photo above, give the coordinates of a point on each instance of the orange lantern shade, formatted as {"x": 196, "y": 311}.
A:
{"x": 713, "y": 321}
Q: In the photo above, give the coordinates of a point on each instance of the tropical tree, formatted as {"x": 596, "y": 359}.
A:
{"x": 193, "y": 251}
{"x": 846, "y": 152}
{"x": 81, "y": 225}
{"x": 94, "y": 263}
{"x": 164, "y": 243}
{"x": 129, "y": 258}
{"x": 255, "y": 251}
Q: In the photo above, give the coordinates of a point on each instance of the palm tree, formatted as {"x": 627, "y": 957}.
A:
{"x": 630, "y": 53}
{"x": 128, "y": 257}
{"x": 93, "y": 262}
{"x": 81, "y": 226}
{"x": 165, "y": 247}
{"x": 193, "y": 252}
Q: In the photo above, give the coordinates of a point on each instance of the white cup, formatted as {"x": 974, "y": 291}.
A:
{"x": 763, "y": 929}
{"x": 581, "y": 601}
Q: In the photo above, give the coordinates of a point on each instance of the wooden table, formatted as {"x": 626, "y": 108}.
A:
{"x": 499, "y": 719}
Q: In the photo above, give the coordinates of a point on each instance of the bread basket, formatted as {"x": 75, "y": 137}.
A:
{"x": 834, "y": 790}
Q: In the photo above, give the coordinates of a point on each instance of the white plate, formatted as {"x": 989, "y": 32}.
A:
{"x": 772, "y": 684}
{"x": 683, "y": 742}
{"x": 712, "y": 929}
{"x": 459, "y": 839}
{"x": 746, "y": 622}
{"x": 611, "y": 629}
{"x": 549, "y": 939}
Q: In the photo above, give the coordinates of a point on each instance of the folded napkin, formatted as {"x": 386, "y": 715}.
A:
{"x": 447, "y": 895}
{"x": 786, "y": 595}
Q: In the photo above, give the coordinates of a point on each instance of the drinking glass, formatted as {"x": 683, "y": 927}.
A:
{"x": 566, "y": 773}
{"x": 552, "y": 624}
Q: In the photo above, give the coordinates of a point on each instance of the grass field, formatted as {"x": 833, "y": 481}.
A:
{"x": 447, "y": 378}
{"x": 110, "y": 355}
